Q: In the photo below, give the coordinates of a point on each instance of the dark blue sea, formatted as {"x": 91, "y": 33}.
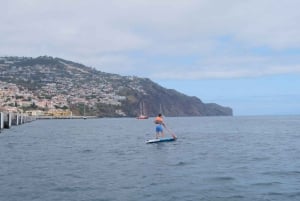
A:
{"x": 214, "y": 159}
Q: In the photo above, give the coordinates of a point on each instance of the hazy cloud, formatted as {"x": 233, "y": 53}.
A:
{"x": 178, "y": 39}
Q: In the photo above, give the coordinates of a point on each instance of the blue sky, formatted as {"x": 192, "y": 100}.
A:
{"x": 267, "y": 95}
{"x": 242, "y": 54}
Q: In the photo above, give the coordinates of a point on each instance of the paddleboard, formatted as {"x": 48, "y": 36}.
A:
{"x": 166, "y": 139}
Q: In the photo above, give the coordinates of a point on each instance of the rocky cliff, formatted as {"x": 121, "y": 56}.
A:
{"x": 71, "y": 85}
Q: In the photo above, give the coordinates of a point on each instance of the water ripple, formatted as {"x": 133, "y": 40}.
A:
{"x": 214, "y": 159}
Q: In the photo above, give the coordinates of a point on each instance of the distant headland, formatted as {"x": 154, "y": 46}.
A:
{"x": 57, "y": 87}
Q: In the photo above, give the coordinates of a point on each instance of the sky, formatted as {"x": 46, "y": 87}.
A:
{"x": 241, "y": 54}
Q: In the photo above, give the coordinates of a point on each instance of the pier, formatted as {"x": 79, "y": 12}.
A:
{"x": 9, "y": 119}
{"x": 66, "y": 117}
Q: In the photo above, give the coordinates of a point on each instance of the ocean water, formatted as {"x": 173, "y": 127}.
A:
{"x": 214, "y": 159}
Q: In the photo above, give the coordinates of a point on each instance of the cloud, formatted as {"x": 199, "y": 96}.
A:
{"x": 226, "y": 73}
{"x": 159, "y": 39}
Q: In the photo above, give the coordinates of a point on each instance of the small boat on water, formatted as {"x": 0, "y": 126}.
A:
{"x": 142, "y": 112}
{"x": 84, "y": 117}
{"x": 142, "y": 117}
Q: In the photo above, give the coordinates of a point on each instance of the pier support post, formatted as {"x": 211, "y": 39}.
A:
{"x": 15, "y": 119}
{"x": 7, "y": 121}
{"x": 21, "y": 118}
{"x": 1, "y": 121}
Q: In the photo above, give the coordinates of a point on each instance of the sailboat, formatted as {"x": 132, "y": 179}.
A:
{"x": 84, "y": 117}
{"x": 142, "y": 112}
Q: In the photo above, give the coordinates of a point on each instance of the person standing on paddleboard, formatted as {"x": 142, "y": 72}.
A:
{"x": 159, "y": 121}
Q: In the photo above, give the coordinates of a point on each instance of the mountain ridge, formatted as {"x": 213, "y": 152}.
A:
{"x": 70, "y": 85}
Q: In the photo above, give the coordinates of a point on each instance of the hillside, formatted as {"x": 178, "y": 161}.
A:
{"x": 47, "y": 82}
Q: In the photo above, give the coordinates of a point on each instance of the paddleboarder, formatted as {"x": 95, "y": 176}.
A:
{"x": 159, "y": 121}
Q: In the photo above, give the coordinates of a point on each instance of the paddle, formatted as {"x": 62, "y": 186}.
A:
{"x": 171, "y": 132}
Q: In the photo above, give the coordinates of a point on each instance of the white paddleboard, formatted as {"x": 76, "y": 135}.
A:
{"x": 166, "y": 139}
